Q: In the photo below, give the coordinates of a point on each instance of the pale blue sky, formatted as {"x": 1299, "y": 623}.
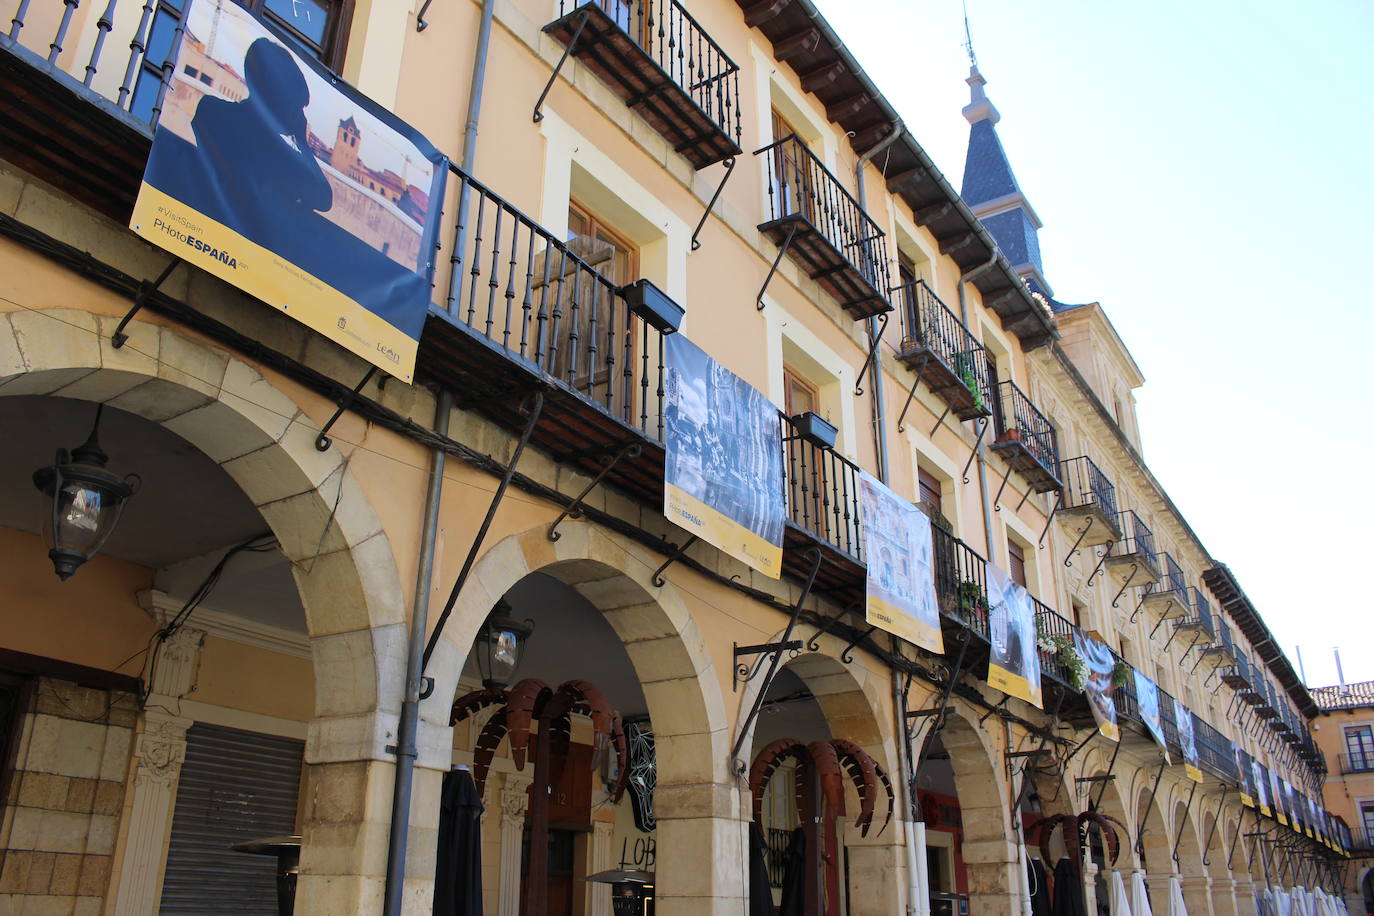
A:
{"x": 1204, "y": 171}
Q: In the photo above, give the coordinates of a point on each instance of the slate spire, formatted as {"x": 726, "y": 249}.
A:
{"x": 991, "y": 191}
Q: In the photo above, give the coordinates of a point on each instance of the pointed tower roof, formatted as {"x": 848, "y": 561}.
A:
{"x": 991, "y": 191}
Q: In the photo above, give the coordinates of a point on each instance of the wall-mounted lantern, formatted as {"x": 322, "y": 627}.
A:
{"x": 82, "y": 502}
{"x": 500, "y": 646}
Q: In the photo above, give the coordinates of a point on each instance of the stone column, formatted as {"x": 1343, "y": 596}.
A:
{"x": 702, "y": 852}
{"x": 1245, "y": 892}
{"x": 1090, "y": 887}
{"x": 515, "y": 799}
{"x": 1197, "y": 894}
{"x": 160, "y": 749}
{"x": 1224, "y": 897}
{"x": 601, "y": 858}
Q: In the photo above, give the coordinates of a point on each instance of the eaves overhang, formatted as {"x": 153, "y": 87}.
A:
{"x": 803, "y": 40}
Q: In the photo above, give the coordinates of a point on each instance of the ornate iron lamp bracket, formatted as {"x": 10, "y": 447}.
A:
{"x": 145, "y": 289}
{"x": 729, "y": 168}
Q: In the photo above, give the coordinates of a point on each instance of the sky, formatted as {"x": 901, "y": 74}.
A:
{"x": 1204, "y": 171}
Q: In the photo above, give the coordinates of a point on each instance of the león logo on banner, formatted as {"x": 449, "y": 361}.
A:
{"x": 723, "y": 458}
{"x": 271, "y": 174}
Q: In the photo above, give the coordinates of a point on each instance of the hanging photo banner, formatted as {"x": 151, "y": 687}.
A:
{"x": 1262, "y": 797}
{"x": 1183, "y": 721}
{"x": 1013, "y": 664}
{"x": 1097, "y": 684}
{"x": 1246, "y": 774}
{"x": 723, "y": 476}
{"x": 272, "y": 174}
{"x": 901, "y": 570}
{"x": 1147, "y": 699}
{"x": 1276, "y": 793}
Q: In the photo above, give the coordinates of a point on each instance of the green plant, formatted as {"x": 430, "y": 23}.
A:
{"x": 971, "y": 599}
{"x": 1075, "y": 665}
{"x": 971, "y": 383}
{"x": 1121, "y": 673}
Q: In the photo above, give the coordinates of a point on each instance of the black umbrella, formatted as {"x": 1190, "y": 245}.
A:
{"x": 794, "y": 876}
{"x": 1068, "y": 890}
{"x": 458, "y": 870}
{"x": 1040, "y": 888}
{"x": 760, "y": 889}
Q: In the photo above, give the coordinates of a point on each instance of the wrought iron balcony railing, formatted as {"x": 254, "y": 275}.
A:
{"x": 822, "y": 491}
{"x": 1237, "y": 677}
{"x": 1026, "y": 438}
{"x": 1169, "y": 723}
{"x": 815, "y": 220}
{"x": 1132, "y": 560}
{"x": 1198, "y": 620}
{"x": 943, "y": 352}
{"x": 1169, "y": 596}
{"x": 1214, "y": 750}
{"x": 1054, "y": 627}
{"x": 1085, "y": 486}
{"x": 665, "y": 66}
{"x": 961, "y": 582}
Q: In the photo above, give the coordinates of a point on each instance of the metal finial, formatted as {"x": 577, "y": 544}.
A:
{"x": 968, "y": 40}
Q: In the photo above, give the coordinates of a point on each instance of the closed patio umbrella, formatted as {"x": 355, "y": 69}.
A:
{"x": 1068, "y": 890}
{"x": 1283, "y": 903}
{"x": 1040, "y": 888}
{"x": 1140, "y": 896}
{"x": 1264, "y": 903}
{"x": 458, "y": 867}
{"x": 1118, "y": 903}
{"x": 794, "y": 876}
{"x": 760, "y": 890}
{"x": 1176, "y": 905}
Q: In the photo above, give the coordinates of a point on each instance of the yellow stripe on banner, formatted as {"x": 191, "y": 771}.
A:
{"x": 219, "y": 250}
{"x": 1246, "y": 800}
{"x": 1014, "y": 684}
{"x": 1193, "y": 772}
{"x": 879, "y": 613}
{"x": 1110, "y": 731}
{"x": 719, "y": 530}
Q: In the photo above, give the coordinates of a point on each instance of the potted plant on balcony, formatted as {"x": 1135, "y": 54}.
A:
{"x": 971, "y": 601}
{"x": 1011, "y": 434}
{"x": 970, "y": 380}
{"x": 1121, "y": 673}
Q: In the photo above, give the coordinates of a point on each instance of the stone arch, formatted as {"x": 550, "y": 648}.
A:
{"x": 696, "y": 801}
{"x": 1196, "y": 883}
{"x": 1154, "y": 841}
{"x": 1218, "y": 826}
{"x": 341, "y": 558}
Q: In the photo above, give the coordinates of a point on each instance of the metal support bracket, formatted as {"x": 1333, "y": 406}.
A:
{"x": 1235, "y": 840}
{"x": 145, "y": 289}
{"x": 1172, "y": 634}
{"x": 1186, "y": 652}
{"x": 939, "y": 421}
{"x": 1183, "y": 826}
{"x": 1107, "y": 777}
{"x": 1216, "y": 819}
{"x": 729, "y": 168}
{"x": 1162, "y": 617}
{"x": 997, "y": 500}
{"x": 577, "y": 33}
{"x": 1068, "y": 558}
{"x": 775, "y": 654}
{"x": 812, "y": 642}
{"x": 322, "y": 441}
{"x": 847, "y": 655}
{"x": 1106, "y": 552}
{"x": 942, "y": 709}
{"x": 871, "y": 360}
{"x": 765, "y": 650}
{"x": 1140, "y": 834}
{"x": 786, "y": 244}
{"x": 999, "y": 707}
{"x": 657, "y": 577}
{"x": 536, "y": 409}
{"x": 574, "y": 509}
{"x": 982, "y": 429}
{"x": 1058, "y": 504}
{"x": 920, "y": 371}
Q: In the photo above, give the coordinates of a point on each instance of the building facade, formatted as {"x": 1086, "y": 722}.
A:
{"x": 239, "y": 661}
{"x": 1342, "y": 730}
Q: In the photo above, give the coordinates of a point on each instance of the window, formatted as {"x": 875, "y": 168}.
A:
{"x": 319, "y": 27}
{"x": 1077, "y": 609}
{"x": 1016, "y": 560}
{"x": 1359, "y": 748}
{"x": 1367, "y": 820}
{"x": 799, "y": 395}
{"x": 621, "y": 264}
{"x": 930, "y": 490}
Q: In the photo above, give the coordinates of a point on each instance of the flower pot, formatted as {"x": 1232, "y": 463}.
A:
{"x": 653, "y": 305}
{"x": 815, "y": 430}
{"x": 1009, "y": 435}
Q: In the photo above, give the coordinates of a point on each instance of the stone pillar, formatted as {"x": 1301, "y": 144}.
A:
{"x": 1224, "y": 897}
{"x": 702, "y": 854}
{"x": 1245, "y": 894}
{"x": 1090, "y": 888}
{"x": 601, "y": 858}
{"x": 994, "y": 887}
{"x": 160, "y": 749}
{"x": 515, "y": 799}
{"x": 1197, "y": 894}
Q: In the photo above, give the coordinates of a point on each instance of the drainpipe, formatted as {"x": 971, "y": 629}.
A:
{"x": 965, "y": 277}
{"x": 915, "y": 845}
{"x": 408, "y": 728}
{"x": 876, "y": 404}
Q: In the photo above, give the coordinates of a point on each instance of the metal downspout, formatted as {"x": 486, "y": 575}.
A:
{"x": 408, "y": 728}
{"x": 876, "y": 404}
{"x": 965, "y": 277}
{"x": 908, "y": 820}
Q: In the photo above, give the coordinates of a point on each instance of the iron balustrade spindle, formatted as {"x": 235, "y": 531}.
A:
{"x": 928, "y": 324}
{"x": 961, "y": 582}
{"x": 822, "y": 491}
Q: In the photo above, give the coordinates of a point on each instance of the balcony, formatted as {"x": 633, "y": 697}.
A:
{"x": 663, "y": 65}
{"x": 1352, "y": 764}
{"x": 1170, "y": 725}
{"x": 1214, "y": 751}
{"x": 961, "y": 585}
{"x": 1133, "y": 561}
{"x": 1223, "y": 650}
{"x": 823, "y": 505}
{"x": 1268, "y": 705}
{"x": 1237, "y": 676}
{"x": 1088, "y": 505}
{"x": 1168, "y": 598}
{"x": 1026, "y": 439}
{"x": 812, "y": 218}
{"x": 1197, "y": 622}
{"x": 942, "y": 352}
